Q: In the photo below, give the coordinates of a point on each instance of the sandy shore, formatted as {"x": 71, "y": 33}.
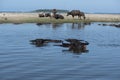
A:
{"x": 33, "y": 18}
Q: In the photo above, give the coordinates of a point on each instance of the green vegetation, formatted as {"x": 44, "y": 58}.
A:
{"x": 50, "y": 10}
{"x": 43, "y": 20}
{"x": 48, "y": 20}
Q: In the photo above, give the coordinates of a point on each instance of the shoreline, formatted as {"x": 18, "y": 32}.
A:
{"x": 33, "y": 18}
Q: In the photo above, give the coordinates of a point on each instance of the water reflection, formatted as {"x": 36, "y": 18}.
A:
{"x": 76, "y": 52}
{"x": 77, "y": 25}
{"x": 39, "y": 24}
{"x": 80, "y": 25}
{"x": 54, "y": 25}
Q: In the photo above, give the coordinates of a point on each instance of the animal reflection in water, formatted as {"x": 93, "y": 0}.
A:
{"x": 53, "y": 25}
{"x": 80, "y": 25}
{"x": 73, "y": 45}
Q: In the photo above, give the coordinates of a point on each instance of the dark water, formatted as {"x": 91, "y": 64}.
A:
{"x": 19, "y": 60}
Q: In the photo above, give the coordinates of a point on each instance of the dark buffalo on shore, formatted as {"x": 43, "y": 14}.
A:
{"x": 76, "y": 13}
{"x": 47, "y": 15}
{"x": 41, "y": 15}
{"x": 58, "y": 16}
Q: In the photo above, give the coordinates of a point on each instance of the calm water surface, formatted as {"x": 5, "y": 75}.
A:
{"x": 19, "y": 60}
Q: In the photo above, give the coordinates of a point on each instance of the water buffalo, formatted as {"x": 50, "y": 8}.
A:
{"x": 58, "y": 16}
{"x": 76, "y": 13}
{"x": 42, "y": 42}
{"x": 47, "y": 15}
{"x": 82, "y": 14}
{"x": 41, "y": 15}
{"x": 73, "y": 45}
{"x": 54, "y": 11}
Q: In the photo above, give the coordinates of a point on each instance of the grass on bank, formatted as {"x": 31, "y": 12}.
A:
{"x": 49, "y": 20}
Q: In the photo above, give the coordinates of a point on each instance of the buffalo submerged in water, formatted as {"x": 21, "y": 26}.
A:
{"x": 73, "y": 45}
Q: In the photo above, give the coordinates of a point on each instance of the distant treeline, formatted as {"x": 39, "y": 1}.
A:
{"x": 50, "y": 10}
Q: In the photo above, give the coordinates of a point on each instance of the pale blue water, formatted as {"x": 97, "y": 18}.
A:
{"x": 19, "y": 60}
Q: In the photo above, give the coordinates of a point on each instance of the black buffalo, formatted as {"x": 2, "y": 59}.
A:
{"x": 76, "y": 13}
{"x": 41, "y": 15}
{"x": 54, "y": 11}
{"x": 58, "y": 16}
{"x": 47, "y": 15}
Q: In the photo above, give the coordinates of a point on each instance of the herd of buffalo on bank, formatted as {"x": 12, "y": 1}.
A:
{"x": 55, "y": 15}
